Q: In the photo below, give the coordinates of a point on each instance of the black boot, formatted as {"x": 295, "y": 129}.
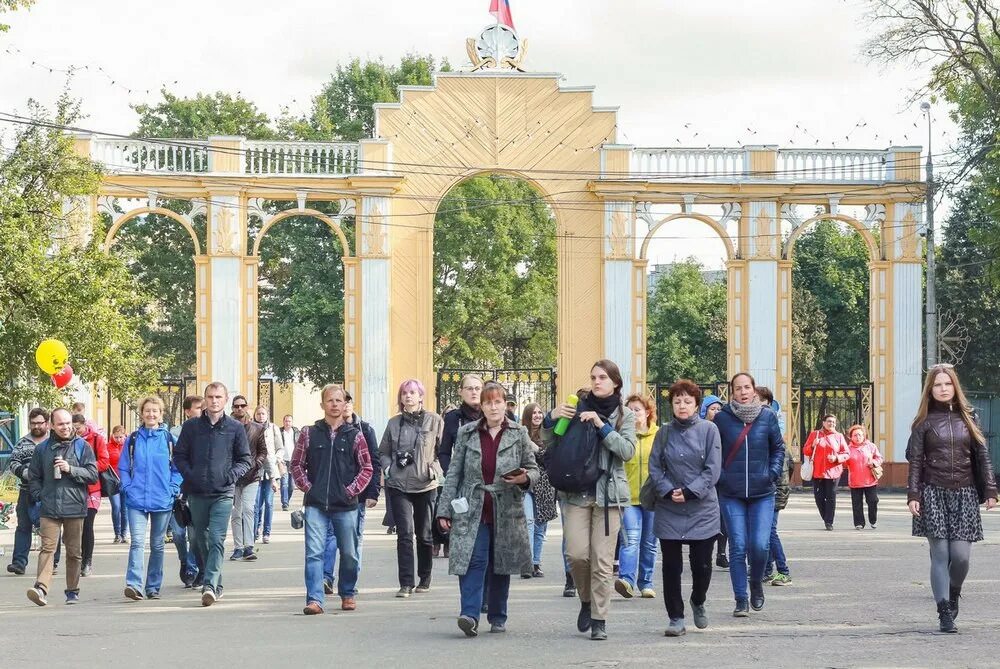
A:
{"x": 583, "y": 621}
{"x": 756, "y": 595}
{"x": 954, "y": 594}
{"x": 946, "y": 620}
{"x": 570, "y": 589}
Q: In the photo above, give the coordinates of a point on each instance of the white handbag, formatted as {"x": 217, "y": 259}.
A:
{"x": 806, "y": 468}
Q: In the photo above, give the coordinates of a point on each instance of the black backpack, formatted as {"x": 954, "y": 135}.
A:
{"x": 573, "y": 461}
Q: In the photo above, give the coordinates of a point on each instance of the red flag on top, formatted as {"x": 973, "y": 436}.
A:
{"x": 501, "y": 10}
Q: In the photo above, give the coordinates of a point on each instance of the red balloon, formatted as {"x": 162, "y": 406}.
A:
{"x": 63, "y": 378}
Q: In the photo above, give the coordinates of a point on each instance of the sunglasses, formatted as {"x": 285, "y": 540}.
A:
{"x": 239, "y": 406}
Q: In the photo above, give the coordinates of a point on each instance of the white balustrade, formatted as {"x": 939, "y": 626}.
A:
{"x": 302, "y": 157}
{"x": 684, "y": 164}
{"x": 134, "y": 155}
{"x": 832, "y": 165}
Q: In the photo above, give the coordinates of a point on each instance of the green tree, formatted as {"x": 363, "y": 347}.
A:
{"x": 55, "y": 280}
{"x": 201, "y": 116}
{"x": 686, "y": 326}
{"x": 12, "y": 6}
{"x": 809, "y": 336}
{"x": 964, "y": 285}
{"x": 495, "y": 276}
{"x": 833, "y": 265}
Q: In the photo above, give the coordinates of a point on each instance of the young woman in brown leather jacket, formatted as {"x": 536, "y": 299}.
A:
{"x": 950, "y": 476}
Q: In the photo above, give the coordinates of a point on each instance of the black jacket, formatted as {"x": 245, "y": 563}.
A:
{"x": 942, "y": 453}
{"x": 368, "y": 432}
{"x": 66, "y": 496}
{"x": 453, "y": 420}
{"x": 211, "y": 458}
{"x": 331, "y": 467}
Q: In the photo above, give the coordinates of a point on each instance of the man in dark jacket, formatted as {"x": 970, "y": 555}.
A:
{"x": 211, "y": 454}
{"x": 61, "y": 469}
{"x": 332, "y": 467}
{"x": 247, "y": 487}
{"x": 369, "y": 497}
{"x": 26, "y": 509}
{"x": 468, "y": 412}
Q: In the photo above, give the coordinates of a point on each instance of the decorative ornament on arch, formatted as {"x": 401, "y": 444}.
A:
{"x": 618, "y": 237}
{"x": 374, "y": 234}
{"x": 225, "y": 236}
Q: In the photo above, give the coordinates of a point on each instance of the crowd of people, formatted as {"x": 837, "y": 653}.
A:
{"x": 481, "y": 487}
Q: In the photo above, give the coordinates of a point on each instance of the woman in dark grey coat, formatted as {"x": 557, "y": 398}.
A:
{"x": 684, "y": 468}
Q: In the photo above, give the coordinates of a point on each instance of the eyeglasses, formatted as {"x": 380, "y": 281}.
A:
{"x": 239, "y": 406}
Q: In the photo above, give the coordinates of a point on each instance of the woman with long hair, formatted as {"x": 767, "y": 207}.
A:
{"x": 540, "y": 498}
{"x": 950, "y": 476}
{"x": 753, "y": 453}
{"x": 481, "y": 506}
{"x": 828, "y": 450}
{"x": 592, "y": 518}
{"x": 637, "y": 557}
{"x": 408, "y": 453}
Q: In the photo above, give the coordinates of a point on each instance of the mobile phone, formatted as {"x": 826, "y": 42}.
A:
{"x": 512, "y": 473}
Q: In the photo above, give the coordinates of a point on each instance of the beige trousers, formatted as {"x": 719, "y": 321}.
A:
{"x": 591, "y": 554}
{"x": 72, "y": 538}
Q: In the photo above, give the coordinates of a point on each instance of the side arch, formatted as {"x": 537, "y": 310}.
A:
{"x": 874, "y": 253}
{"x": 707, "y": 220}
{"x": 112, "y": 235}
{"x": 325, "y": 218}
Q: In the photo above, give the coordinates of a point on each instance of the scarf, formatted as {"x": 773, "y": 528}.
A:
{"x": 747, "y": 412}
{"x": 687, "y": 422}
{"x": 469, "y": 414}
{"x": 604, "y": 406}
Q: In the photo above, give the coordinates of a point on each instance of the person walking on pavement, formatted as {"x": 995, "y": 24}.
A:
{"x": 637, "y": 557}
{"x": 828, "y": 450}
{"x": 483, "y": 510}
{"x": 271, "y": 475}
{"x": 99, "y": 444}
{"x": 470, "y": 388}
{"x": 245, "y": 493}
{"x": 862, "y": 464}
{"x": 150, "y": 483}
{"x": 190, "y": 568}
{"x": 710, "y": 406}
{"x": 289, "y": 437}
{"x": 408, "y": 455}
{"x": 332, "y": 467}
{"x": 950, "y": 477}
{"x": 119, "y": 515}
{"x": 684, "y": 468}
{"x": 61, "y": 470}
{"x": 211, "y": 454}
{"x": 26, "y": 509}
{"x": 541, "y": 494}
{"x": 777, "y": 573}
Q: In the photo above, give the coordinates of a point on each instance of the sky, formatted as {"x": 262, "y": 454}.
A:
{"x": 682, "y": 72}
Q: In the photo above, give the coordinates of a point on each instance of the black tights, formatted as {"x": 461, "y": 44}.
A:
{"x": 700, "y": 557}
{"x": 88, "y": 536}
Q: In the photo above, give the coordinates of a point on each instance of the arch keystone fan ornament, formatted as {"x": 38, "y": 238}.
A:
{"x": 498, "y": 45}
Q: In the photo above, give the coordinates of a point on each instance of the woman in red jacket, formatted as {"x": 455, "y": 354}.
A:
{"x": 119, "y": 517}
{"x": 829, "y": 452}
{"x": 100, "y": 446}
{"x": 863, "y": 460}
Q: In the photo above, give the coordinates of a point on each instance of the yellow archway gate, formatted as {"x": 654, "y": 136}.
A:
{"x": 529, "y": 125}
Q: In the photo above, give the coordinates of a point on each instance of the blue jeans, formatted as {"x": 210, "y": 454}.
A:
{"x": 637, "y": 558}
{"x": 185, "y": 552}
{"x": 529, "y": 516}
{"x": 157, "y": 521}
{"x": 776, "y": 554}
{"x": 210, "y": 520}
{"x": 319, "y": 525}
{"x": 287, "y": 486}
{"x": 538, "y": 540}
{"x": 27, "y": 514}
{"x": 265, "y": 504}
{"x": 330, "y": 557}
{"x": 119, "y": 515}
{"x": 472, "y": 582}
{"x": 748, "y": 522}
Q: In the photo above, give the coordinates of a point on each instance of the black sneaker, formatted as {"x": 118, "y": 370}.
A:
{"x": 583, "y": 619}
{"x": 424, "y": 585}
{"x": 468, "y": 625}
{"x": 153, "y": 594}
{"x": 721, "y": 561}
{"x": 327, "y": 586}
{"x": 15, "y": 569}
{"x": 188, "y": 578}
{"x": 237, "y": 554}
{"x": 536, "y": 572}
{"x": 248, "y": 554}
{"x": 742, "y": 609}
{"x": 756, "y": 595}
{"x": 569, "y": 590}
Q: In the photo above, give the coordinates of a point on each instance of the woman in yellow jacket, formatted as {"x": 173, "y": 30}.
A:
{"x": 637, "y": 557}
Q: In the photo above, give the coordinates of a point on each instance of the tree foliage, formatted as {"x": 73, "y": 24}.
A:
{"x": 203, "y": 115}
{"x": 12, "y": 6}
{"x": 495, "y": 276}
{"x": 832, "y": 265}
{"x": 55, "y": 280}
{"x": 686, "y": 326}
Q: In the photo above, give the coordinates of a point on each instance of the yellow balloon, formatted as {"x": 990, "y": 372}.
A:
{"x": 51, "y": 356}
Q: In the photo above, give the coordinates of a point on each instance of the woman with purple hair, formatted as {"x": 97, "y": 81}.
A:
{"x": 408, "y": 454}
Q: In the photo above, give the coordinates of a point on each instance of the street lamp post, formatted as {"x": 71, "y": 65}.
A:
{"x": 930, "y": 313}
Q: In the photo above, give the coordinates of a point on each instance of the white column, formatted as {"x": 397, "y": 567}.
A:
{"x": 762, "y": 284}
{"x": 618, "y": 291}
{"x": 225, "y": 269}
{"x": 373, "y": 242}
{"x": 907, "y": 349}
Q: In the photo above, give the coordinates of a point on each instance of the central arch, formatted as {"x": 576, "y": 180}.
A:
{"x": 278, "y": 218}
{"x": 707, "y": 220}
{"x": 874, "y": 253}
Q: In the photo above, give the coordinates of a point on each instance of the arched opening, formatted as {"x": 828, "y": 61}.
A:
{"x": 686, "y": 300}
{"x": 159, "y": 245}
{"x": 830, "y": 258}
{"x": 495, "y": 287}
{"x": 300, "y": 303}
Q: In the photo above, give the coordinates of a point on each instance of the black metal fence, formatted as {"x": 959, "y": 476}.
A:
{"x": 660, "y": 391}
{"x": 9, "y": 434}
{"x": 526, "y": 385}
{"x": 852, "y": 405}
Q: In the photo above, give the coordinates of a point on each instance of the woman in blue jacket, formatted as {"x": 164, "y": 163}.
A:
{"x": 149, "y": 483}
{"x": 753, "y": 453}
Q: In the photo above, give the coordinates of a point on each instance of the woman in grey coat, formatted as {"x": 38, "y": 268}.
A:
{"x": 482, "y": 505}
{"x": 684, "y": 468}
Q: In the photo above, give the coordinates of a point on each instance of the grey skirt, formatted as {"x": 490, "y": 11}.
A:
{"x": 951, "y": 514}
